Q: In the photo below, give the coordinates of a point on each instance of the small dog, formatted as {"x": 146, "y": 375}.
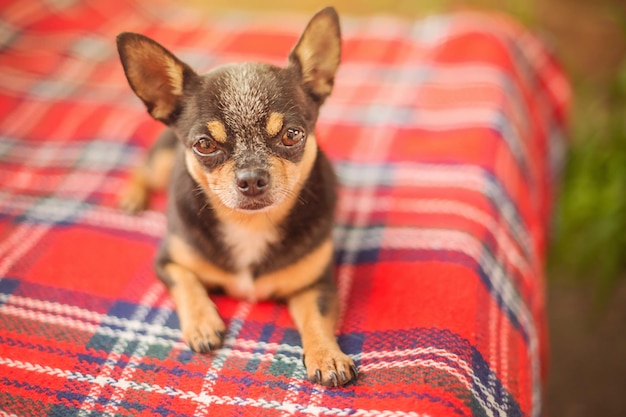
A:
{"x": 252, "y": 196}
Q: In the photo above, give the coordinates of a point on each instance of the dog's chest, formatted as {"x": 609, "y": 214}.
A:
{"x": 248, "y": 246}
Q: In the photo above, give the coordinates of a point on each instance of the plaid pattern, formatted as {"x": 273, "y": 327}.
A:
{"x": 447, "y": 135}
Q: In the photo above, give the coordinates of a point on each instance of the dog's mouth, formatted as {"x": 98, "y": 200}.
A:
{"x": 237, "y": 201}
{"x": 254, "y": 204}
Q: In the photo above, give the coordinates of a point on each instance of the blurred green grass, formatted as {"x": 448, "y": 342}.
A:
{"x": 590, "y": 220}
{"x": 589, "y": 233}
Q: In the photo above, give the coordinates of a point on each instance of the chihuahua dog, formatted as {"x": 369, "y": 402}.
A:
{"x": 251, "y": 196}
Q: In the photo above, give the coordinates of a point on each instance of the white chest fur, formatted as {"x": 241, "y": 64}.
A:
{"x": 248, "y": 246}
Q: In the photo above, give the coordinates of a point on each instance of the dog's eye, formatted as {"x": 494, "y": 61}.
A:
{"x": 292, "y": 136}
{"x": 204, "y": 146}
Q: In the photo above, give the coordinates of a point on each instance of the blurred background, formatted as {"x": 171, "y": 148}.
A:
{"x": 587, "y": 263}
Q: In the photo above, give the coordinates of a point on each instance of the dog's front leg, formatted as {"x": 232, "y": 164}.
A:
{"x": 202, "y": 327}
{"x": 315, "y": 311}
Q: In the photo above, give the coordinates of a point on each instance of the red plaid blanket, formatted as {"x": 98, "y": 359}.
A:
{"x": 446, "y": 134}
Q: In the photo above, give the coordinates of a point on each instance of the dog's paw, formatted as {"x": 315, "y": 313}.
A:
{"x": 205, "y": 330}
{"x": 329, "y": 367}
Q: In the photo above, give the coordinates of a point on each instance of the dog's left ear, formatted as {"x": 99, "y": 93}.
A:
{"x": 318, "y": 53}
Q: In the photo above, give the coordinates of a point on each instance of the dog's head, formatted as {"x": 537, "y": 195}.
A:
{"x": 247, "y": 129}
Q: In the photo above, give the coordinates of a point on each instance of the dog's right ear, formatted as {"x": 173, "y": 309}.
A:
{"x": 155, "y": 75}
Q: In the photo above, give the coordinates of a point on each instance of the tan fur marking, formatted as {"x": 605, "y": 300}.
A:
{"x": 217, "y": 130}
{"x": 319, "y": 346}
{"x": 186, "y": 256}
{"x": 199, "y": 320}
{"x": 305, "y": 314}
{"x": 274, "y": 123}
{"x": 296, "y": 276}
{"x": 195, "y": 170}
{"x": 161, "y": 110}
{"x": 308, "y": 159}
{"x": 174, "y": 72}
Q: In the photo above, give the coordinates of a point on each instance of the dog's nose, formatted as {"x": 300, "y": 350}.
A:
{"x": 252, "y": 182}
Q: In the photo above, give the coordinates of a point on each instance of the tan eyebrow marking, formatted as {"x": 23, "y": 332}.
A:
{"x": 274, "y": 123}
{"x": 217, "y": 130}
